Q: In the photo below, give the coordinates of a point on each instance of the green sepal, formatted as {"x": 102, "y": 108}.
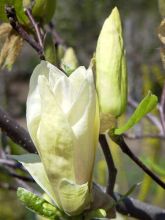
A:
{"x": 146, "y": 105}
{"x": 39, "y": 205}
{"x": 49, "y": 49}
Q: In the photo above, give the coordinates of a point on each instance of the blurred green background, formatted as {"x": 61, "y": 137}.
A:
{"x": 79, "y": 23}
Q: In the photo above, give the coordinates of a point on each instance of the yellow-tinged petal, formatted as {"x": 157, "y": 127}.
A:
{"x": 55, "y": 138}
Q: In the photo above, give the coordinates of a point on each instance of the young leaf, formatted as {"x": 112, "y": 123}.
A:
{"x": 145, "y": 106}
{"x": 50, "y": 10}
{"x": 22, "y": 18}
{"x": 18, "y": 5}
{"x": 44, "y": 9}
{"x": 39, "y": 205}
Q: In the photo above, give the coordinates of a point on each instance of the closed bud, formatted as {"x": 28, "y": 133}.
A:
{"x": 111, "y": 71}
{"x": 69, "y": 61}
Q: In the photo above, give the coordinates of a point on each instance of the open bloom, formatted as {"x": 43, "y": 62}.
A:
{"x": 63, "y": 121}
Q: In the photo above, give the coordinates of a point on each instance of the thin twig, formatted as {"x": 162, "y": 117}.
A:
{"x": 11, "y": 14}
{"x": 35, "y": 25}
{"x": 112, "y": 171}
{"x": 118, "y": 139}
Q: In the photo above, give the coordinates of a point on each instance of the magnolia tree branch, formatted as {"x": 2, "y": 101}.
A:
{"x": 140, "y": 210}
{"x": 119, "y": 140}
{"x": 17, "y": 133}
{"x": 112, "y": 171}
{"x": 11, "y": 14}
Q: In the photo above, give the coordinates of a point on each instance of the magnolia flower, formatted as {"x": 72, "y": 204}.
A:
{"x": 111, "y": 71}
{"x": 63, "y": 121}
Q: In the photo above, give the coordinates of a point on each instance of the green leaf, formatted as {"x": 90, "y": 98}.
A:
{"x": 44, "y": 9}
{"x": 3, "y": 3}
{"x": 49, "y": 49}
{"x": 18, "y": 5}
{"x": 145, "y": 106}
{"x": 39, "y": 205}
{"x": 50, "y": 10}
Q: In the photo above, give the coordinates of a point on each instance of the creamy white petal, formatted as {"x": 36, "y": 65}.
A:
{"x": 54, "y": 74}
{"x": 77, "y": 78}
{"x": 63, "y": 92}
{"x": 86, "y": 132}
{"x": 79, "y": 105}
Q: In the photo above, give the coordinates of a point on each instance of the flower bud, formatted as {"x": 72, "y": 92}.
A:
{"x": 111, "y": 71}
{"x": 69, "y": 61}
